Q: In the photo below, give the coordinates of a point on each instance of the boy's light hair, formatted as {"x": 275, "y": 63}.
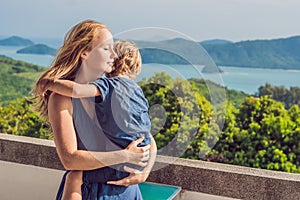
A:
{"x": 67, "y": 63}
{"x": 128, "y": 61}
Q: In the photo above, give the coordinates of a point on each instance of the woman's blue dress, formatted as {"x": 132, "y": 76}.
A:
{"x": 90, "y": 137}
{"x": 103, "y": 191}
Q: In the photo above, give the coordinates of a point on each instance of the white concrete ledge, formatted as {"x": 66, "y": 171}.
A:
{"x": 206, "y": 177}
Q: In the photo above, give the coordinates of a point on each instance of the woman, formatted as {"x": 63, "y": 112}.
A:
{"x": 86, "y": 54}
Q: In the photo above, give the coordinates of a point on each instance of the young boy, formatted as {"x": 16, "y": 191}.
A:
{"x": 122, "y": 112}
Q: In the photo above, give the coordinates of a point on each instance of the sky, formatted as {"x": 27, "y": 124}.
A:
{"x": 234, "y": 20}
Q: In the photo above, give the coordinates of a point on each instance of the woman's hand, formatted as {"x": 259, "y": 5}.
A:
{"x": 137, "y": 155}
{"x": 135, "y": 177}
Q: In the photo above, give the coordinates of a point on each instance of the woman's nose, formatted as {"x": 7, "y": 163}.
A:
{"x": 113, "y": 54}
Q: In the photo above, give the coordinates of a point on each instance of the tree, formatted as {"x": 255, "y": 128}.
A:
{"x": 17, "y": 118}
{"x": 180, "y": 117}
{"x": 289, "y": 97}
{"x": 265, "y": 135}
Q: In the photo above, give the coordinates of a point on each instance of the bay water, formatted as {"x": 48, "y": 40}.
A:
{"x": 243, "y": 79}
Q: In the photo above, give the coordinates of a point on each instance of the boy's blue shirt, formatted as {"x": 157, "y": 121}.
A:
{"x": 122, "y": 112}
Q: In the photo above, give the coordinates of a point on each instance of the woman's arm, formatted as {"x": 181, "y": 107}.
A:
{"x": 152, "y": 157}
{"x": 136, "y": 176}
{"x": 71, "y": 88}
{"x": 60, "y": 117}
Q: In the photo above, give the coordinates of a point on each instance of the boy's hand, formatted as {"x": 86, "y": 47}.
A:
{"x": 44, "y": 85}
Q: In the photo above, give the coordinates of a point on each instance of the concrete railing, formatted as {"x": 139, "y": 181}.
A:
{"x": 206, "y": 177}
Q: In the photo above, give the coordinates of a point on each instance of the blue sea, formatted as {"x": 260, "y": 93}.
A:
{"x": 243, "y": 79}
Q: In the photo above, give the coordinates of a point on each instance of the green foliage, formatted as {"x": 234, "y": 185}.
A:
{"x": 261, "y": 134}
{"x": 236, "y": 97}
{"x": 17, "y": 118}
{"x": 17, "y": 78}
{"x": 289, "y": 97}
{"x": 185, "y": 111}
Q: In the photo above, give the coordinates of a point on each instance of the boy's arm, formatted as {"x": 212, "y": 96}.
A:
{"x": 73, "y": 89}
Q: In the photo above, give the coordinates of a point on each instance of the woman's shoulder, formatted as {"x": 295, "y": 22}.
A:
{"x": 58, "y": 99}
{"x": 56, "y": 96}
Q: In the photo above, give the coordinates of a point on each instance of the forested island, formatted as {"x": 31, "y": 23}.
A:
{"x": 15, "y": 41}
{"x": 41, "y": 49}
{"x": 28, "y": 46}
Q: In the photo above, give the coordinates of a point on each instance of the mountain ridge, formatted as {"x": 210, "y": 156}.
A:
{"x": 280, "y": 53}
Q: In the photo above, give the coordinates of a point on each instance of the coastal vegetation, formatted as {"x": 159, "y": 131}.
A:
{"x": 261, "y": 131}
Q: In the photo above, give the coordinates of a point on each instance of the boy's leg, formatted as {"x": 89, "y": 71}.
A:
{"x": 72, "y": 189}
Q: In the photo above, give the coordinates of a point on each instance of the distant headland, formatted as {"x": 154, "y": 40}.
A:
{"x": 282, "y": 53}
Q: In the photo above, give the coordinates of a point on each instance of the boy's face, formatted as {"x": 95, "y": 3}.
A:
{"x": 101, "y": 58}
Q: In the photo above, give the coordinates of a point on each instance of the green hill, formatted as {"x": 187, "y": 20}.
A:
{"x": 17, "y": 78}
{"x": 38, "y": 49}
{"x": 151, "y": 55}
{"x": 15, "y": 41}
{"x": 277, "y": 53}
{"x": 174, "y": 51}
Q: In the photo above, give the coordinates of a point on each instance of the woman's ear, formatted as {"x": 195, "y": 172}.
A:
{"x": 84, "y": 55}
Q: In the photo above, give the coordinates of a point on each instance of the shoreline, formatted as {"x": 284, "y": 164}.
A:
{"x": 264, "y": 68}
{"x": 292, "y": 69}
{"x": 230, "y": 66}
